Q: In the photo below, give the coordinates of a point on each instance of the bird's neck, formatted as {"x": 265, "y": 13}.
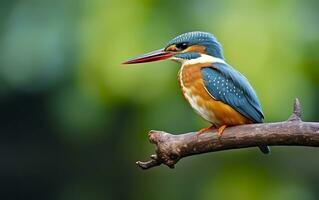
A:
{"x": 203, "y": 58}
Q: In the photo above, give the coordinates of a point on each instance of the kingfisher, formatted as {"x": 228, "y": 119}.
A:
{"x": 214, "y": 89}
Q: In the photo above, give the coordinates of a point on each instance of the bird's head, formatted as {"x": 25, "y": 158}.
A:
{"x": 185, "y": 47}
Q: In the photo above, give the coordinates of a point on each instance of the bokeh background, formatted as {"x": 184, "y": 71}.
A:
{"x": 74, "y": 120}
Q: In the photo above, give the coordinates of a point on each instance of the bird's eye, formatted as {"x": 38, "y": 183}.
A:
{"x": 181, "y": 46}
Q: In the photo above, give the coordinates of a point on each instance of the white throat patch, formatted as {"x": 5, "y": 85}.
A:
{"x": 202, "y": 59}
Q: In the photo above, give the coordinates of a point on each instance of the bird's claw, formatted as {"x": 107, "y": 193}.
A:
{"x": 203, "y": 130}
{"x": 220, "y": 131}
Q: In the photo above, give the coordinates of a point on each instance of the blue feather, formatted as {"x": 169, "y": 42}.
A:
{"x": 226, "y": 84}
{"x": 208, "y": 40}
{"x": 188, "y": 55}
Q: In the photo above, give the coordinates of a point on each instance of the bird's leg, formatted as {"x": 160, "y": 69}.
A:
{"x": 203, "y": 130}
{"x": 220, "y": 131}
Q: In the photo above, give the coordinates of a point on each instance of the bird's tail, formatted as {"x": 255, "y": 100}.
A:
{"x": 265, "y": 149}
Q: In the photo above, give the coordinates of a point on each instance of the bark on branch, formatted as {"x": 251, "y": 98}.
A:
{"x": 293, "y": 132}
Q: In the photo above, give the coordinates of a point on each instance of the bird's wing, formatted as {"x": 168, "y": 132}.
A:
{"x": 226, "y": 84}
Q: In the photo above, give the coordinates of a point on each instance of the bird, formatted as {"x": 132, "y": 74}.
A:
{"x": 214, "y": 89}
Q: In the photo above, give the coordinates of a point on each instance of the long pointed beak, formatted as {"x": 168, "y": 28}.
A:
{"x": 150, "y": 57}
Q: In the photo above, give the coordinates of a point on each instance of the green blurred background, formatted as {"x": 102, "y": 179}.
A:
{"x": 74, "y": 120}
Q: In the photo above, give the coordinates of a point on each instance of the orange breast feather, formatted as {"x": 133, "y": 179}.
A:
{"x": 212, "y": 110}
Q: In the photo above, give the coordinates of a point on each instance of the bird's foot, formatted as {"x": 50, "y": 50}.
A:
{"x": 220, "y": 131}
{"x": 204, "y": 130}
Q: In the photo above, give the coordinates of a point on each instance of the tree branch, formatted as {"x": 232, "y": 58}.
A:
{"x": 293, "y": 132}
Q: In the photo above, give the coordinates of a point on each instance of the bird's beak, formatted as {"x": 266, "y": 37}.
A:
{"x": 150, "y": 57}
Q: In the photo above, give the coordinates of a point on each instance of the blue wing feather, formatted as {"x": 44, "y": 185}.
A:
{"x": 226, "y": 84}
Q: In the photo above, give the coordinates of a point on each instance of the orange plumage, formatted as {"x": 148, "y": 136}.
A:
{"x": 193, "y": 89}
